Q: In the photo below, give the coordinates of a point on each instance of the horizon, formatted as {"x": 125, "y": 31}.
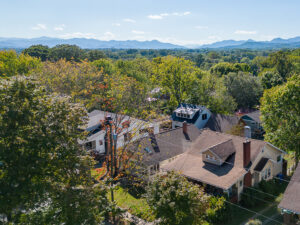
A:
{"x": 181, "y": 23}
{"x": 188, "y": 46}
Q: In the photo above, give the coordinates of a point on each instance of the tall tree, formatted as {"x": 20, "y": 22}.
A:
{"x": 176, "y": 77}
{"x": 244, "y": 88}
{"x": 44, "y": 173}
{"x": 12, "y": 64}
{"x": 38, "y": 51}
{"x": 177, "y": 201}
{"x": 280, "y": 107}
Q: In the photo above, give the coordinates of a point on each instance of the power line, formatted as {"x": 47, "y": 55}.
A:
{"x": 257, "y": 198}
{"x": 253, "y": 212}
{"x": 262, "y": 192}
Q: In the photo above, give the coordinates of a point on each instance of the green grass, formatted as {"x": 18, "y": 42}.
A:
{"x": 136, "y": 206}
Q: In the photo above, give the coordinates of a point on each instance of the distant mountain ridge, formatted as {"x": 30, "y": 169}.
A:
{"x": 21, "y": 43}
{"x": 276, "y": 43}
{"x": 86, "y": 43}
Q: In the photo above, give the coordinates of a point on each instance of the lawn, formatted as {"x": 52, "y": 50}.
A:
{"x": 136, "y": 206}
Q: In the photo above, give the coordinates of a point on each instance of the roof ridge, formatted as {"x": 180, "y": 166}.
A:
{"x": 216, "y": 145}
{"x": 235, "y": 136}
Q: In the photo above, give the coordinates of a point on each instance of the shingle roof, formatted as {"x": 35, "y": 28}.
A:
{"x": 221, "y": 123}
{"x": 291, "y": 196}
{"x": 261, "y": 164}
{"x": 167, "y": 144}
{"x": 191, "y": 165}
{"x": 223, "y": 150}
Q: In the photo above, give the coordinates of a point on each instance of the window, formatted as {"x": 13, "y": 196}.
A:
{"x": 100, "y": 142}
{"x": 90, "y": 145}
{"x": 279, "y": 158}
{"x": 241, "y": 183}
{"x": 204, "y": 116}
{"x": 269, "y": 172}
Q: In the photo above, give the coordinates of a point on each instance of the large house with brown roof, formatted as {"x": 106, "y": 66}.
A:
{"x": 227, "y": 163}
{"x": 290, "y": 203}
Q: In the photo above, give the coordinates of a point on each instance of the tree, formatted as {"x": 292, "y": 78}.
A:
{"x": 12, "y": 64}
{"x": 176, "y": 76}
{"x": 95, "y": 54}
{"x": 244, "y": 88}
{"x": 67, "y": 52}
{"x": 280, "y": 107}
{"x": 199, "y": 60}
{"x": 44, "y": 173}
{"x": 271, "y": 79}
{"x": 38, "y": 51}
{"x": 176, "y": 201}
{"x": 282, "y": 63}
{"x": 211, "y": 92}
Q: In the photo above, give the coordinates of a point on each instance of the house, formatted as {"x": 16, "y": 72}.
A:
{"x": 227, "y": 163}
{"x": 161, "y": 148}
{"x": 192, "y": 114}
{"x": 290, "y": 203}
{"x": 130, "y": 129}
{"x": 253, "y": 121}
{"x": 222, "y": 123}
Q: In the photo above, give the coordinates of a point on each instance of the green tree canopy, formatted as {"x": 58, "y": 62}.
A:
{"x": 245, "y": 88}
{"x": 38, "y": 51}
{"x": 67, "y": 52}
{"x": 44, "y": 174}
{"x": 280, "y": 107}
{"x": 177, "y": 201}
{"x": 12, "y": 64}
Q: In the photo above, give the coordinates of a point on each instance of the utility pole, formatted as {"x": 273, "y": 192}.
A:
{"x": 109, "y": 142}
{"x": 111, "y": 159}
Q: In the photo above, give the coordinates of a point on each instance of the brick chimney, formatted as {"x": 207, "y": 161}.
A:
{"x": 184, "y": 127}
{"x": 246, "y": 152}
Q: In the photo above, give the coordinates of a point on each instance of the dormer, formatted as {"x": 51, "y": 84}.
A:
{"x": 219, "y": 153}
{"x": 186, "y": 112}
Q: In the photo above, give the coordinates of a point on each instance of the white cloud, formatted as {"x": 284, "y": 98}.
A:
{"x": 201, "y": 27}
{"x": 39, "y": 26}
{"x": 59, "y": 27}
{"x": 116, "y": 24}
{"x": 129, "y": 20}
{"x": 107, "y": 36}
{"x": 138, "y": 32}
{"x": 245, "y": 32}
{"x": 155, "y": 17}
{"x": 78, "y": 35}
{"x": 163, "y": 15}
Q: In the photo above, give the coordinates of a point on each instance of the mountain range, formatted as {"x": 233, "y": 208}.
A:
{"x": 21, "y": 43}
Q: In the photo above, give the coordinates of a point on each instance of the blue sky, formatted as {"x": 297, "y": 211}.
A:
{"x": 177, "y": 21}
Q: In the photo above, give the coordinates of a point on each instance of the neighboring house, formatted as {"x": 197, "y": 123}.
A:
{"x": 290, "y": 203}
{"x": 253, "y": 121}
{"x": 222, "y": 123}
{"x": 131, "y": 129}
{"x": 164, "y": 147}
{"x": 192, "y": 114}
{"x": 228, "y": 163}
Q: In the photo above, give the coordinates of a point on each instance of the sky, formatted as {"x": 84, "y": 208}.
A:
{"x": 184, "y": 22}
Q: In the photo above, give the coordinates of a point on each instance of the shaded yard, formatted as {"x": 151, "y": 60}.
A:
{"x": 136, "y": 206}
